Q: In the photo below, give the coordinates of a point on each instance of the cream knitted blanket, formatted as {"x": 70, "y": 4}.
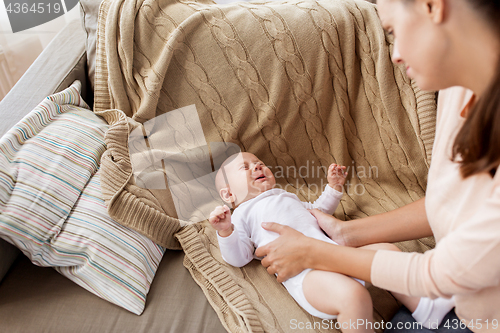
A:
{"x": 301, "y": 84}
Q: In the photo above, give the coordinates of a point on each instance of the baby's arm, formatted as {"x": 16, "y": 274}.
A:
{"x": 235, "y": 245}
{"x": 336, "y": 176}
{"x": 220, "y": 219}
{"x": 330, "y": 198}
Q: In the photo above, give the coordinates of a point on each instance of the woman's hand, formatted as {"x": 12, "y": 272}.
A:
{"x": 333, "y": 227}
{"x": 286, "y": 256}
{"x": 405, "y": 223}
{"x": 292, "y": 252}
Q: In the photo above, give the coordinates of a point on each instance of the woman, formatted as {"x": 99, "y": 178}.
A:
{"x": 444, "y": 43}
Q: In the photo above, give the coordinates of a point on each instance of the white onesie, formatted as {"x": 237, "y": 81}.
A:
{"x": 277, "y": 205}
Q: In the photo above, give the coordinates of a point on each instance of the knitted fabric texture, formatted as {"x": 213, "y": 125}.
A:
{"x": 301, "y": 84}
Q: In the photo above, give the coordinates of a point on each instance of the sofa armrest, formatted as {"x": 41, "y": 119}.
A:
{"x": 60, "y": 63}
{"x": 63, "y": 61}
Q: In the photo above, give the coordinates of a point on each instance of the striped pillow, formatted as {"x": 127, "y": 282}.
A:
{"x": 52, "y": 209}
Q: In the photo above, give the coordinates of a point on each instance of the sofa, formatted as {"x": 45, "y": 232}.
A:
{"x": 39, "y": 299}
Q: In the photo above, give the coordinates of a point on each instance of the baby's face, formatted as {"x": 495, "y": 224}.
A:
{"x": 247, "y": 177}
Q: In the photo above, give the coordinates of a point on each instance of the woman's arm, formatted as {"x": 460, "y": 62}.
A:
{"x": 293, "y": 252}
{"x": 405, "y": 223}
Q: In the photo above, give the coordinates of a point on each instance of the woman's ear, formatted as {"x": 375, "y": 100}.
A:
{"x": 435, "y": 9}
{"x": 226, "y": 195}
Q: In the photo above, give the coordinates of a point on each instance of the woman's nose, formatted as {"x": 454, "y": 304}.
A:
{"x": 396, "y": 57}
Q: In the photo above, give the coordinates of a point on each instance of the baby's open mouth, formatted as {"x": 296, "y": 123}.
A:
{"x": 261, "y": 178}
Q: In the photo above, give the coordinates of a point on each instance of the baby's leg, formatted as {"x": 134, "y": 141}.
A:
{"x": 340, "y": 295}
{"x": 426, "y": 311}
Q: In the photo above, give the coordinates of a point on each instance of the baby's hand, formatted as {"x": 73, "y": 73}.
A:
{"x": 220, "y": 219}
{"x": 336, "y": 176}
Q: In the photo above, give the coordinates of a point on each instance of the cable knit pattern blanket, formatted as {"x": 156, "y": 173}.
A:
{"x": 301, "y": 84}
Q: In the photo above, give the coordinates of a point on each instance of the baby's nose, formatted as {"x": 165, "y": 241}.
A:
{"x": 257, "y": 166}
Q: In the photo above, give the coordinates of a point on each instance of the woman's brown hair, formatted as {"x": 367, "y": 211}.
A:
{"x": 477, "y": 145}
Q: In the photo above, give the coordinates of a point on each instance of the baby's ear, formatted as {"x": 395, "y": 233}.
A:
{"x": 226, "y": 195}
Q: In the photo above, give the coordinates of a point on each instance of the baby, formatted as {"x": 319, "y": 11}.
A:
{"x": 244, "y": 182}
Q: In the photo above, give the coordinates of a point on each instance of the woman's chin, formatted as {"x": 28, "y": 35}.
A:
{"x": 427, "y": 84}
